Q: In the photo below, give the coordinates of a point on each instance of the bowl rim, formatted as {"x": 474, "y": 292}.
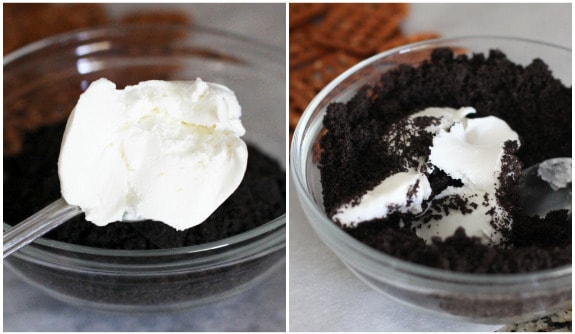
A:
{"x": 274, "y": 229}
{"x": 99, "y": 31}
{"x": 372, "y": 255}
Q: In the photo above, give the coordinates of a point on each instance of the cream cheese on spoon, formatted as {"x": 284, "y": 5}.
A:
{"x": 167, "y": 151}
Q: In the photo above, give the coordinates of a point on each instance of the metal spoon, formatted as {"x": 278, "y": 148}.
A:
{"x": 546, "y": 186}
{"x": 40, "y": 223}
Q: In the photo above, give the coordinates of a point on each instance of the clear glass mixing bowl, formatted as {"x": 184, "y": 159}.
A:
{"x": 46, "y": 78}
{"x": 478, "y": 297}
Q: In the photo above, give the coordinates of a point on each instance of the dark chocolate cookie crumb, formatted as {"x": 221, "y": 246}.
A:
{"x": 31, "y": 182}
{"x": 534, "y": 104}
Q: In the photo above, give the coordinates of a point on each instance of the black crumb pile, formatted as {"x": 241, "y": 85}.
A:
{"x": 31, "y": 182}
{"x": 354, "y": 155}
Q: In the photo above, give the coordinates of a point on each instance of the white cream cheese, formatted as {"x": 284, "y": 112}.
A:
{"x": 466, "y": 149}
{"x": 168, "y": 151}
{"x": 403, "y": 192}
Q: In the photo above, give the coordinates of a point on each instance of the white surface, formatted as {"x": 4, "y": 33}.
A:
{"x": 261, "y": 308}
{"x": 323, "y": 294}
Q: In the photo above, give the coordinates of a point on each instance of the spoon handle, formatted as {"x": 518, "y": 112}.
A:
{"x": 38, "y": 224}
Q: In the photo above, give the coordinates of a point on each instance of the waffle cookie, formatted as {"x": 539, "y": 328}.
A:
{"x": 327, "y": 39}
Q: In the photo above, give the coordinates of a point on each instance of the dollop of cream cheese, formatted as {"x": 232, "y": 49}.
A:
{"x": 466, "y": 149}
{"x": 403, "y": 192}
{"x": 167, "y": 151}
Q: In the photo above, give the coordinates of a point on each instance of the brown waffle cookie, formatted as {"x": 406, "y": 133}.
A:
{"x": 28, "y": 22}
{"x": 155, "y": 17}
{"x": 359, "y": 28}
{"x": 355, "y": 30}
{"x": 12, "y": 138}
{"x": 299, "y": 97}
{"x": 149, "y": 42}
{"x": 295, "y": 113}
{"x": 302, "y": 49}
{"x": 323, "y": 70}
{"x": 302, "y": 13}
{"x": 307, "y": 81}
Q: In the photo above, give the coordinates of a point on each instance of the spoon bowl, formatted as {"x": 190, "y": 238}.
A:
{"x": 546, "y": 186}
{"x": 40, "y": 223}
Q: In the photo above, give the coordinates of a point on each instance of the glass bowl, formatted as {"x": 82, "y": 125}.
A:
{"x": 46, "y": 79}
{"x": 482, "y": 298}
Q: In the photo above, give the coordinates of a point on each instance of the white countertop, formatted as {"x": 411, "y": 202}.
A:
{"x": 262, "y": 308}
{"x": 323, "y": 294}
